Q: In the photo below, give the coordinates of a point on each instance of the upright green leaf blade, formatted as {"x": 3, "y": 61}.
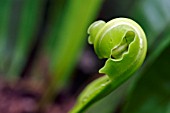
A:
{"x": 28, "y": 25}
{"x": 5, "y": 8}
{"x": 76, "y": 18}
{"x": 71, "y": 41}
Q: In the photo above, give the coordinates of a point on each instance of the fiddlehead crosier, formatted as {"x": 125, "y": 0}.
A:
{"x": 123, "y": 42}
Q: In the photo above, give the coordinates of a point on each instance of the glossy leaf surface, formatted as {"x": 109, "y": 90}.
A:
{"x": 123, "y": 42}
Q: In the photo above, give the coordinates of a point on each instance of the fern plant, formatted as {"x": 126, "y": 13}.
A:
{"x": 123, "y": 42}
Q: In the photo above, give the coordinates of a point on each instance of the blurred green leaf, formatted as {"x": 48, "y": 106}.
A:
{"x": 151, "y": 93}
{"x": 77, "y": 17}
{"x": 25, "y": 39}
{"x": 154, "y": 17}
{"x": 5, "y": 8}
{"x": 70, "y": 32}
{"x": 71, "y": 37}
{"x": 56, "y": 12}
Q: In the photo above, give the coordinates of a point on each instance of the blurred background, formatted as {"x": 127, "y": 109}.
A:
{"x": 45, "y": 61}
